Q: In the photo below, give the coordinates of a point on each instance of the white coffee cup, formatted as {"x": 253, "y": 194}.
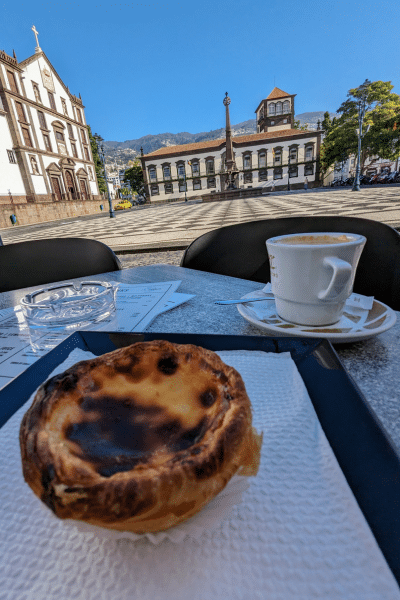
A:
{"x": 312, "y": 274}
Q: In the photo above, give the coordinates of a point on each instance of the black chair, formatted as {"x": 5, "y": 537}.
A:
{"x": 240, "y": 251}
{"x": 37, "y": 262}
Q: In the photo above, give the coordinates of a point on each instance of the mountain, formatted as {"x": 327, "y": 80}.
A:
{"x": 120, "y": 153}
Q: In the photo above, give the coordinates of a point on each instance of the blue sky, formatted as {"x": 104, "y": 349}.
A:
{"x": 155, "y": 67}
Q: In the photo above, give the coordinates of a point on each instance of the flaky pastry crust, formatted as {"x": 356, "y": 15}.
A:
{"x": 139, "y": 439}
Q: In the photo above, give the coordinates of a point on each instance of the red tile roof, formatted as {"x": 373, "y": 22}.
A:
{"x": 237, "y": 140}
{"x": 277, "y": 93}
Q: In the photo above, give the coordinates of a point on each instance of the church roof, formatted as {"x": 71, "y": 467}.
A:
{"x": 236, "y": 141}
{"x": 277, "y": 93}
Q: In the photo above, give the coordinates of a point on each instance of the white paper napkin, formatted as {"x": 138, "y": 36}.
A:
{"x": 298, "y": 533}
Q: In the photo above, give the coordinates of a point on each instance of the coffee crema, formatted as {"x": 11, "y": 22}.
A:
{"x": 314, "y": 240}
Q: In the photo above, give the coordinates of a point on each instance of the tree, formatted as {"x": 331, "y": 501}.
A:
{"x": 135, "y": 176}
{"x": 382, "y": 115}
{"x": 296, "y": 125}
{"x": 326, "y": 124}
{"x": 98, "y": 165}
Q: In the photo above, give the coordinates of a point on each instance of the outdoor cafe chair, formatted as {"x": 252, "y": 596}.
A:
{"x": 240, "y": 251}
{"x": 37, "y": 262}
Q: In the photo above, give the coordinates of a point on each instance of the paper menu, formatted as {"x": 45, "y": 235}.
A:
{"x": 137, "y": 306}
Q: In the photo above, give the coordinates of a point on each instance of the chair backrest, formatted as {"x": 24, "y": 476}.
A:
{"x": 37, "y": 262}
{"x": 240, "y": 251}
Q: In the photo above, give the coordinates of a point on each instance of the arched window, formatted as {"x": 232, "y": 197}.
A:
{"x": 167, "y": 171}
{"x": 293, "y": 154}
{"x": 286, "y": 106}
{"x": 271, "y": 108}
{"x": 58, "y": 129}
{"x": 153, "y": 174}
{"x": 247, "y": 161}
{"x": 309, "y": 152}
{"x": 180, "y": 168}
{"x": 195, "y": 168}
{"x": 279, "y": 108}
{"x": 277, "y": 153}
{"x": 210, "y": 166}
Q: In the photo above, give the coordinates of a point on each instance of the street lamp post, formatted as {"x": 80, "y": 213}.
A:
{"x": 361, "y": 114}
{"x": 288, "y": 174}
{"x": 100, "y": 147}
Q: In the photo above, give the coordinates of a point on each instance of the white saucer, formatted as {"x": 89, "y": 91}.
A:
{"x": 350, "y": 328}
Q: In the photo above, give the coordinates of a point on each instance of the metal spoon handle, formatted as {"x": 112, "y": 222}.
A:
{"x": 242, "y": 300}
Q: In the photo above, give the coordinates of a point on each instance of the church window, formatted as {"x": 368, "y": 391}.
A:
{"x": 20, "y": 112}
{"x": 167, "y": 172}
{"x": 70, "y": 131}
{"x": 73, "y": 148}
{"x": 195, "y": 168}
{"x": 64, "y": 107}
{"x": 309, "y": 169}
{"x": 168, "y": 188}
{"x": 47, "y": 143}
{"x": 90, "y": 173}
{"x": 262, "y": 175}
{"x": 79, "y": 115}
{"x": 60, "y": 136}
{"x": 12, "y": 81}
{"x": 87, "y": 155}
{"x": 279, "y": 108}
{"x": 247, "y": 161}
{"x": 262, "y": 160}
{"x": 210, "y": 166}
{"x": 278, "y": 173}
{"x": 42, "y": 120}
{"x": 293, "y": 154}
{"x": 1, "y": 104}
{"x": 83, "y": 136}
{"x": 27, "y": 137}
{"x": 211, "y": 182}
{"x": 154, "y": 189}
{"x": 286, "y": 106}
{"x": 309, "y": 153}
{"x": 11, "y": 157}
{"x": 36, "y": 92}
{"x": 34, "y": 165}
{"x": 248, "y": 177}
{"x": 271, "y": 108}
{"x": 52, "y": 101}
{"x": 293, "y": 171}
{"x": 153, "y": 174}
{"x": 197, "y": 183}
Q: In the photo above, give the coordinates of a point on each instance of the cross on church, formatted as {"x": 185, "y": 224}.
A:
{"x": 36, "y": 35}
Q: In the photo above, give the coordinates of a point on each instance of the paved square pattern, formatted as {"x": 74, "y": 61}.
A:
{"x": 177, "y": 224}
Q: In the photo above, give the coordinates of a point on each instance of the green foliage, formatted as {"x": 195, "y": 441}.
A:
{"x": 98, "y": 165}
{"x": 296, "y": 125}
{"x": 327, "y": 122}
{"x": 382, "y": 114}
{"x": 135, "y": 176}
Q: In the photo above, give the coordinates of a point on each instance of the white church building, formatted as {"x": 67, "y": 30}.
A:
{"x": 45, "y": 153}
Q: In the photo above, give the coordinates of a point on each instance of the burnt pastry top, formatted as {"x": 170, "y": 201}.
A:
{"x": 113, "y": 439}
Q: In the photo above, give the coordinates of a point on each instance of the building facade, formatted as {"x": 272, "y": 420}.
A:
{"x": 45, "y": 153}
{"x": 276, "y": 157}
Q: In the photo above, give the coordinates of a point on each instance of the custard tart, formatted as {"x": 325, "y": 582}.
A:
{"x": 139, "y": 439}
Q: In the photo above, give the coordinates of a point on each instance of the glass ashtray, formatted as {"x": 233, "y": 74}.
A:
{"x": 70, "y": 305}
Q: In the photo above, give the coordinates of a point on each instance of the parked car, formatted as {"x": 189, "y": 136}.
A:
{"x": 122, "y": 205}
